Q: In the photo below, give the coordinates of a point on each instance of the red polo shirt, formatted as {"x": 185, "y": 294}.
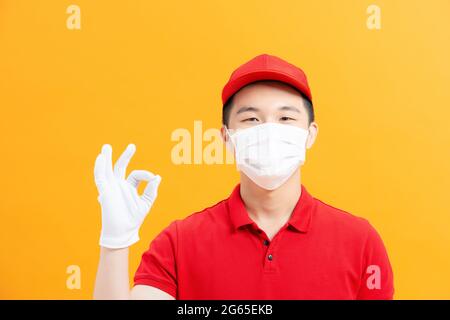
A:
{"x": 220, "y": 253}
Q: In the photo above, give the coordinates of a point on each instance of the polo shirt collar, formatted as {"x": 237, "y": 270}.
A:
{"x": 299, "y": 220}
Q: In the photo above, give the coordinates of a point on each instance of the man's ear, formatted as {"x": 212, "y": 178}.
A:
{"x": 313, "y": 132}
{"x": 223, "y": 133}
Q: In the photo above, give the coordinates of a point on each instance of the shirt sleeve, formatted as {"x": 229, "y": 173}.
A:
{"x": 158, "y": 264}
{"x": 377, "y": 280}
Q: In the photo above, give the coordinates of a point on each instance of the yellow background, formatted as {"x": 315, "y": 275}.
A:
{"x": 138, "y": 70}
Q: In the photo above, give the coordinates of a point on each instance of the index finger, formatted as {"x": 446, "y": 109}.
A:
{"x": 120, "y": 167}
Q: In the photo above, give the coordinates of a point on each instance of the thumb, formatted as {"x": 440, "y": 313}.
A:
{"x": 136, "y": 176}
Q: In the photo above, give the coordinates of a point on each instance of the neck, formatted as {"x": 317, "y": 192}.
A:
{"x": 270, "y": 207}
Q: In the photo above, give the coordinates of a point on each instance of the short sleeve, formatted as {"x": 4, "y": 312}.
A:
{"x": 377, "y": 281}
{"x": 158, "y": 264}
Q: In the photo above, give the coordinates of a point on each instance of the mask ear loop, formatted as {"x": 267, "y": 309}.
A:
{"x": 229, "y": 140}
{"x": 306, "y": 140}
{"x": 232, "y": 145}
{"x": 306, "y": 147}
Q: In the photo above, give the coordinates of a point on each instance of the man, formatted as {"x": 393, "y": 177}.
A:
{"x": 270, "y": 239}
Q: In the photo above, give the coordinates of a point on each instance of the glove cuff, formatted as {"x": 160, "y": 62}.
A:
{"x": 119, "y": 242}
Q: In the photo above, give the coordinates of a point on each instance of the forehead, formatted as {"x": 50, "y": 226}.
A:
{"x": 267, "y": 93}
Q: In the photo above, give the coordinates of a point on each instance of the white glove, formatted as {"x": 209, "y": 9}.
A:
{"x": 123, "y": 209}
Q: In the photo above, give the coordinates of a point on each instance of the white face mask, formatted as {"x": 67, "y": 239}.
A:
{"x": 269, "y": 153}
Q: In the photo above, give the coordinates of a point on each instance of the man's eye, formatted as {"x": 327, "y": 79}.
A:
{"x": 250, "y": 120}
{"x": 286, "y": 118}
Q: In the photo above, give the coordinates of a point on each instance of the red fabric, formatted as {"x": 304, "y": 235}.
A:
{"x": 266, "y": 67}
{"x": 219, "y": 253}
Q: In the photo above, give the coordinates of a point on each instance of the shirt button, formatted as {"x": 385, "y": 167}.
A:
{"x": 266, "y": 242}
{"x": 270, "y": 257}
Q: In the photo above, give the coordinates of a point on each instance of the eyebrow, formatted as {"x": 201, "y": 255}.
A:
{"x": 253, "y": 109}
{"x": 246, "y": 109}
{"x": 289, "y": 108}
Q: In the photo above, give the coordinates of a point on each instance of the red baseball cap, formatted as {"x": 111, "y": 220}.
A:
{"x": 266, "y": 67}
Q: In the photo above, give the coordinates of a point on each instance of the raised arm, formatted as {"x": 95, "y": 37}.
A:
{"x": 123, "y": 212}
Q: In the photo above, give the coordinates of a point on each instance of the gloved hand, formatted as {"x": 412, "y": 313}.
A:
{"x": 123, "y": 209}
